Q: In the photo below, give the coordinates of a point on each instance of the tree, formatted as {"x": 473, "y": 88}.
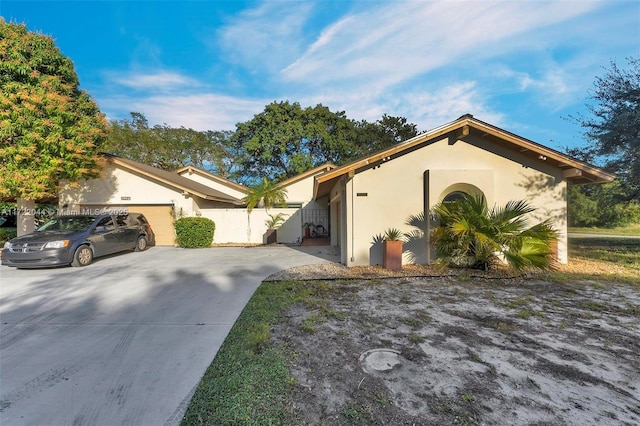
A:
{"x": 266, "y": 194}
{"x": 285, "y": 140}
{"x": 603, "y": 206}
{"x": 170, "y": 148}
{"x": 472, "y": 235}
{"x": 382, "y": 134}
{"x": 614, "y": 127}
{"x": 49, "y": 129}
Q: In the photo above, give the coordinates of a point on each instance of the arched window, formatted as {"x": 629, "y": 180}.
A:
{"x": 454, "y": 196}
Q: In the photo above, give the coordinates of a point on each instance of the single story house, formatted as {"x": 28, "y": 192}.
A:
{"x": 354, "y": 203}
{"x": 162, "y": 196}
{"x": 384, "y": 190}
{"x": 159, "y": 194}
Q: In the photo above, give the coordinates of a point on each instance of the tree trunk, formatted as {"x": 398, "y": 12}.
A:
{"x": 26, "y": 220}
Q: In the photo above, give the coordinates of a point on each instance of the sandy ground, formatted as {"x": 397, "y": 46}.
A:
{"x": 467, "y": 351}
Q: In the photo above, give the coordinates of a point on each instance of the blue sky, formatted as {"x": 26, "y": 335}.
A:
{"x": 524, "y": 66}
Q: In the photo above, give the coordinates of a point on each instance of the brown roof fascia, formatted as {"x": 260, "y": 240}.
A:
{"x": 463, "y": 125}
{"x": 563, "y": 161}
{"x": 192, "y": 169}
{"x": 179, "y": 182}
{"x": 326, "y": 167}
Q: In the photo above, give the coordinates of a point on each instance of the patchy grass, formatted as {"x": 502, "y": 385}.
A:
{"x": 267, "y": 371}
{"x": 621, "y": 252}
{"x": 248, "y": 382}
{"x": 633, "y": 230}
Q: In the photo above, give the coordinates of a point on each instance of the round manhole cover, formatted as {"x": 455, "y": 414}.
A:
{"x": 379, "y": 360}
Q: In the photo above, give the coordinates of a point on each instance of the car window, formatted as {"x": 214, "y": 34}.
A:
{"x": 106, "y": 223}
{"x": 121, "y": 220}
{"x": 68, "y": 223}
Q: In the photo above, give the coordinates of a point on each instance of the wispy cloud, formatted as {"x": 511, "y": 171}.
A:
{"x": 197, "y": 111}
{"x": 162, "y": 80}
{"x": 398, "y": 41}
{"x": 267, "y": 36}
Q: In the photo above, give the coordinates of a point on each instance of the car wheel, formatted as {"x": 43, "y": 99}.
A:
{"x": 83, "y": 256}
{"x": 141, "y": 244}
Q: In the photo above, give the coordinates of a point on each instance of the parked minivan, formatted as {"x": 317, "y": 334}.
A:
{"x": 77, "y": 239}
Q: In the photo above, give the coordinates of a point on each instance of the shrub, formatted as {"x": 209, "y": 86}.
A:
{"x": 6, "y": 234}
{"x": 471, "y": 235}
{"x": 194, "y": 232}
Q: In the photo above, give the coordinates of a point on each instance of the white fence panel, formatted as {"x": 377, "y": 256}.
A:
{"x": 238, "y": 226}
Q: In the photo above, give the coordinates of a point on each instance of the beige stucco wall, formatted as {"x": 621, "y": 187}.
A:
{"x": 233, "y": 225}
{"x": 300, "y": 191}
{"x": 119, "y": 187}
{"x": 212, "y": 183}
{"x": 397, "y": 189}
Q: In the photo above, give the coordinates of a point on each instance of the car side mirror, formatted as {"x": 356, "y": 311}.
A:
{"x": 100, "y": 229}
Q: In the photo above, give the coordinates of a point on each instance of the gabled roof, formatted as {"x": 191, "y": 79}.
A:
{"x": 221, "y": 180}
{"x": 173, "y": 179}
{"x": 312, "y": 172}
{"x": 573, "y": 170}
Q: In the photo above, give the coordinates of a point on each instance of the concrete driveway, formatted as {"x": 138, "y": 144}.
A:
{"x": 125, "y": 340}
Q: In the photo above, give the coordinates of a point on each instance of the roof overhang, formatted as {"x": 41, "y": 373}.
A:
{"x": 574, "y": 171}
{"x": 191, "y": 169}
{"x": 187, "y": 187}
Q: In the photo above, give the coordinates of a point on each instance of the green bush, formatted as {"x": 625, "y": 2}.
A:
{"x": 7, "y": 234}
{"x": 194, "y": 232}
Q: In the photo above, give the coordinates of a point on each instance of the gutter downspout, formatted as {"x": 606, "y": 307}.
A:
{"x": 353, "y": 238}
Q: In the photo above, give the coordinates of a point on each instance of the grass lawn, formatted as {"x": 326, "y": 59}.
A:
{"x": 633, "y": 230}
{"x": 621, "y": 252}
{"x": 297, "y": 338}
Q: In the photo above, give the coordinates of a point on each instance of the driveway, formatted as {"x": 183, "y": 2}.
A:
{"x": 125, "y": 340}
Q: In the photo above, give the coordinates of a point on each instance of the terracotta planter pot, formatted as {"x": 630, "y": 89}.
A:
{"x": 307, "y": 232}
{"x": 392, "y": 255}
{"x": 272, "y": 236}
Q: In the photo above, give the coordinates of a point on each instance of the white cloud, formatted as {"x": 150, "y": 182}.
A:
{"x": 395, "y": 42}
{"x": 158, "y": 81}
{"x": 206, "y": 111}
{"x": 267, "y": 36}
{"x": 427, "y": 108}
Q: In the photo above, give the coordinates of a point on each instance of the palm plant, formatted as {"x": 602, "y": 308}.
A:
{"x": 470, "y": 234}
{"x": 266, "y": 194}
{"x": 275, "y": 221}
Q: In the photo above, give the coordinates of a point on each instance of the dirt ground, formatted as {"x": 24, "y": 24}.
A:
{"x": 467, "y": 351}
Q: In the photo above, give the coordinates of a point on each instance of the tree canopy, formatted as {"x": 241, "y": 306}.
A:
{"x": 613, "y": 133}
{"x": 613, "y": 129}
{"x": 49, "y": 129}
{"x": 286, "y": 139}
{"x": 170, "y": 148}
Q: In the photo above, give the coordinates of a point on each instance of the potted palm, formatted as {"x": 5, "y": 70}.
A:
{"x": 273, "y": 223}
{"x": 392, "y": 249}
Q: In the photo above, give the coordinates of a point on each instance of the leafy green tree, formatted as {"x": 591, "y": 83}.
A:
{"x": 382, "y": 134}
{"x": 470, "y": 234}
{"x": 603, "y": 206}
{"x": 266, "y": 194}
{"x": 613, "y": 129}
{"x": 285, "y": 140}
{"x": 170, "y": 148}
{"x": 49, "y": 129}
